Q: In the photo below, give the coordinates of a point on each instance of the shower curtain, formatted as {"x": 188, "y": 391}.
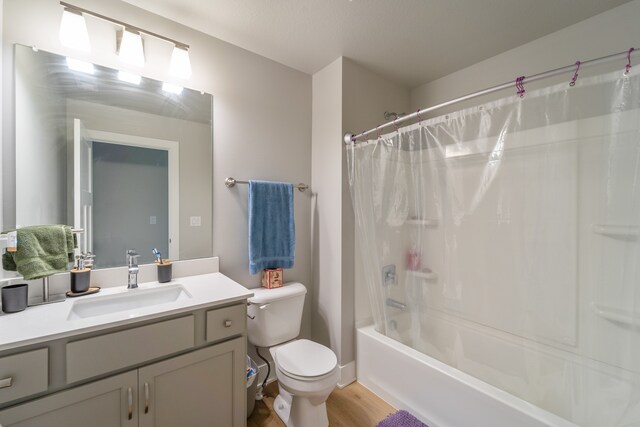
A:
{"x": 504, "y": 240}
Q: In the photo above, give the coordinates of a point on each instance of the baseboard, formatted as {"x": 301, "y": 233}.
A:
{"x": 347, "y": 374}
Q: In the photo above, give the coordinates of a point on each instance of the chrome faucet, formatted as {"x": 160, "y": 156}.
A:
{"x": 132, "y": 263}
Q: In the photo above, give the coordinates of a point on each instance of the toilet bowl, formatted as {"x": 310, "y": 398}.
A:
{"x": 307, "y": 373}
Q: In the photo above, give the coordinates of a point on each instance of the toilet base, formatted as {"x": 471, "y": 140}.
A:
{"x": 297, "y": 411}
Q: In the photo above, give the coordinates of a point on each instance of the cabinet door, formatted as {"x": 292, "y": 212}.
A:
{"x": 203, "y": 388}
{"x": 105, "y": 403}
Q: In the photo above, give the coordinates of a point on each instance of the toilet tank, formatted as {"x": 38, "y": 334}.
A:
{"x": 275, "y": 314}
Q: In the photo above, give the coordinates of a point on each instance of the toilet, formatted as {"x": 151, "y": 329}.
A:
{"x": 307, "y": 372}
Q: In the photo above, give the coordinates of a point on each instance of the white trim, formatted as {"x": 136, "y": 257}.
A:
{"x": 173, "y": 149}
{"x": 347, "y": 374}
{"x": 76, "y": 175}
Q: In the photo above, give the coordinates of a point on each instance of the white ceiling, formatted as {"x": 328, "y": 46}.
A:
{"x": 409, "y": 41}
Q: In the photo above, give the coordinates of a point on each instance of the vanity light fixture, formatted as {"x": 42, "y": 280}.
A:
{"x": 180, "y": 65}
{"x": 128, "y": 77}
{"x": 172, "y": 88}
{"x": 130, "y": 49}
{"x": 82, "y": 66}
{"x": 73, "y": 30}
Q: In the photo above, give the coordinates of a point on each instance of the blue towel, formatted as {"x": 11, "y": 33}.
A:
{"x": 272, "y": 232}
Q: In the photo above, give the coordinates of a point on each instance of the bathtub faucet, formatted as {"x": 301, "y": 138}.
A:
{"x": 396, "y": 304}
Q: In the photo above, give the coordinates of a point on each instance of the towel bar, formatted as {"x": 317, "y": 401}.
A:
{"x": 231, "y": 182}
{"x": 47, "y": 298}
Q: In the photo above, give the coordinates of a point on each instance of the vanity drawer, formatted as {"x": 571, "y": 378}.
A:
{"x": 226, "y": 322}
{"x": 24, "y": 374}
{"x": 106, "y": 353}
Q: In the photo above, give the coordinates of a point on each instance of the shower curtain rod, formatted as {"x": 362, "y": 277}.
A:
{"x": 349, "y": 137}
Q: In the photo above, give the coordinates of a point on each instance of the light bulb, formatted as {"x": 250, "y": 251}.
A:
{"x": 73, "y": 31}
{"x": 131, "y": 50}
{"x": 180, "y": 64}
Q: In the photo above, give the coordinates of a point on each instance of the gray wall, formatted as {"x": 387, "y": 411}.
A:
{"x": 129, "y": 186}
{"x": 366, "y": 96}
{"x": 262, "y": 116}
{"x": 327, "y": 203}
{"x": 346, "y": 97}
{"x": 615, "y": 30}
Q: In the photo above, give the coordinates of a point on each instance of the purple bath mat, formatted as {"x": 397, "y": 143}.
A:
{"x": 401, "y": 419}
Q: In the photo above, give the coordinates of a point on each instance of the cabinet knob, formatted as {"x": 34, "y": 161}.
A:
{"x": 227, "y": 323}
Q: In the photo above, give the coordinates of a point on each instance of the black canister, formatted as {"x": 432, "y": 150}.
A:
{"x": 15, "y": 298}
{"x": 165, "y": 272}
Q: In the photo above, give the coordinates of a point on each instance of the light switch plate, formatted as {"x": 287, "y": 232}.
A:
{"x": 195, "y": 221}
{"x": 152, "y": 220}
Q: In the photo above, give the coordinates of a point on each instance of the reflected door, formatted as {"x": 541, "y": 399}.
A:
{"x": 131, "y": 202}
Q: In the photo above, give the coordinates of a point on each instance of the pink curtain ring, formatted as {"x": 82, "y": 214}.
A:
{"x": 520, "y": 86}
{"x": 628, "y": 67}
{"x": 419, "y": 118}
{"x": 396, "y": 125}
{"x": 575, "y": 75}
{"x": 378, "y": 134}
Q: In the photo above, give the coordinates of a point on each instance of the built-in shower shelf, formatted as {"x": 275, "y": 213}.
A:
{"x": 617, "y": 315}
{"x": 423, "y": 275}
{"x": 422, "y": 222}
{"x": 620, "y": 231}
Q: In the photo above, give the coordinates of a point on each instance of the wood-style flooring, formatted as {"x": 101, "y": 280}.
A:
{"x": 352, "y": 406}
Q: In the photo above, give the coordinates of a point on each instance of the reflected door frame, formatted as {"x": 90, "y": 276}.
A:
{"x": 173, "y": 154}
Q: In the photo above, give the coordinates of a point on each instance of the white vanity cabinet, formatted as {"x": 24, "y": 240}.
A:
{"x": 23, "y": 374}
{"x": 197, "y": 389}
{"x": 194, "y": 375}
{"x": 103, "y": 403}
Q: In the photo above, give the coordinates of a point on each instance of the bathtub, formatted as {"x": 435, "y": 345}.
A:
{"x": 437, "y": 394}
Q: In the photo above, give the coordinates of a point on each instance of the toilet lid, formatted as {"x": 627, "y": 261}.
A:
{"x": 306, "y": 358}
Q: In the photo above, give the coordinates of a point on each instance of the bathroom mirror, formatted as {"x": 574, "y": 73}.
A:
{"x": 127, "y": 159}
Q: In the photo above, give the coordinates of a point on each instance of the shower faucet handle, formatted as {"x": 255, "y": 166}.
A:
{"x": 389, "y": 275}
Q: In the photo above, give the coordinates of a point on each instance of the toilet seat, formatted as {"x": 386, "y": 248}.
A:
{"x": 316, "y": 379}
{"x": 305, "y": 360}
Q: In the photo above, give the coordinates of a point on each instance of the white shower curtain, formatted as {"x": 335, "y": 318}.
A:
{"x": 513, "y": 229}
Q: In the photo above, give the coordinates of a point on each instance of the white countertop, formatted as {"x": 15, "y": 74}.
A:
{"x": 52, "y": 321}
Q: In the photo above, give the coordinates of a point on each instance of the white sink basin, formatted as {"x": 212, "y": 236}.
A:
{"x": 130, "y": 300}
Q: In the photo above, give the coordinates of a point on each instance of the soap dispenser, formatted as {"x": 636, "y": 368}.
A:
{"x": 81, "y": 273}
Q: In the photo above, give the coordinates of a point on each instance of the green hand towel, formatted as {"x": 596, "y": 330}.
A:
{"x": 43, "y": 250}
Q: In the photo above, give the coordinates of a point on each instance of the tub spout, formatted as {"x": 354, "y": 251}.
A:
{"x": 396, "y": 304}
